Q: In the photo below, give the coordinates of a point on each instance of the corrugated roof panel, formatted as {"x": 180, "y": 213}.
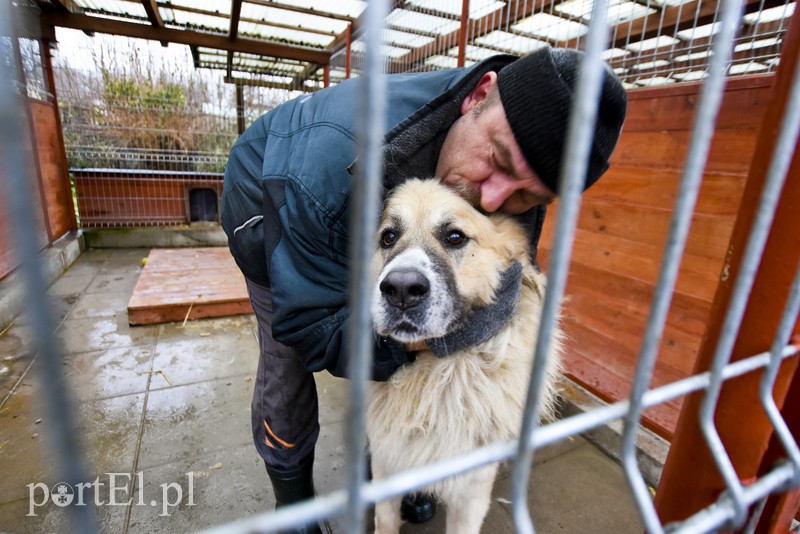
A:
{"x": 700, "y": 32}
{"x": 346, "y": 8}
{"x": 753, "y": 44}
{"x": 442, "y": 62}
{"x": 474, "y": 53}
{"x": 412, "y": 40}
{"x": 551, "y": 27}
{"x": 282, "y": 35}
{"x": 618, "y": 10}
{"x": 115, "y": 6}
{"x": 293, "y": 18}
{"x": 212, "y": 6}
{"x": 770, "y": 15}
{"x": 655, "y": 42}
{"x": 744, "y": 68}
{"x": 421, "y": 22}
{"x": 217, "y": 24}
{"x": 510, "y": 42}
{"x": 477, "y": 8}
{"x": 654, "y": 81}
{"x": 387, "y": 50}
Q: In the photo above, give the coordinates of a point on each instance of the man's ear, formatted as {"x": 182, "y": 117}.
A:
{"x": 479, "y": 93}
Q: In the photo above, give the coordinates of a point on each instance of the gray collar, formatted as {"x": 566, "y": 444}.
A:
{"x": 486, "y": 321}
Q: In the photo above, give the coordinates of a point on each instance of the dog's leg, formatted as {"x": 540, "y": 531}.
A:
{"x": 468, "y": 501}
{"x": 387, "y": 513}
{"x": 387, "y": 516}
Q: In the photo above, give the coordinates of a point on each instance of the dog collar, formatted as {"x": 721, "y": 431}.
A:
{"x": 486, "y": 321}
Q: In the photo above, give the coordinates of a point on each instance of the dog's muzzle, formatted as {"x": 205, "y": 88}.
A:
{"x": 412, "y": 299}
{"x": 405, "y": 288}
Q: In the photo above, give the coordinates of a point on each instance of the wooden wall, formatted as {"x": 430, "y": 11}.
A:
{"x": 622, "y": 232}
{"x": 60, "y": 212}
{"x": 49, "y": 190}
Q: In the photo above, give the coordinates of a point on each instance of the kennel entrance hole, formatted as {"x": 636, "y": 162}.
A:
{"x": 203, "y": 205}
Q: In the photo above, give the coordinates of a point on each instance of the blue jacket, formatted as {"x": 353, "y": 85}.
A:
{"x": 286, "y": 196}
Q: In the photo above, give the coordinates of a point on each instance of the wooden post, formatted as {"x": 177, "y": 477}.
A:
{"x": 690, "y": 480}
{"x": 62, "y": 151}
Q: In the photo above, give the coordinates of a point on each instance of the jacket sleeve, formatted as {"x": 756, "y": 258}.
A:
{"x": 309, "y": 280}
{"x": 306, "y": 189}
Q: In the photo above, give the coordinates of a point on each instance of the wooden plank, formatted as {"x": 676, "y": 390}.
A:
{"x": 606, "y": 368}
{"x": 639, "y": 261}
{"x": 708, "y": 236}
{"x": 719, "y": 193}
{"x": 675, "y": 109}
{"x": 730, "y": 152}
{"x": 687, "y": 313}
{"x": 188, "y": 283}
{"x": 678, "y": 349}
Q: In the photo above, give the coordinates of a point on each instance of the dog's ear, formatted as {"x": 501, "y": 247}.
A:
{"x": 511, "y": 238}
{"x": 467, "y": 193}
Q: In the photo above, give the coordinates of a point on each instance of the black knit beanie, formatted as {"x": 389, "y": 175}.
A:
{"x": 536, "y": 92}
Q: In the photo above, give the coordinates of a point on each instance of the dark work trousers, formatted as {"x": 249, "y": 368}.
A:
{"x": 285, "y": 413}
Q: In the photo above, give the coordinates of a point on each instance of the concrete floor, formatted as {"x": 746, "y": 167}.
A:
{"x": 170, "y": 405}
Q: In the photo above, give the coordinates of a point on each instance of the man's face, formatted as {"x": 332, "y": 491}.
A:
{"x": 481, "y": 155}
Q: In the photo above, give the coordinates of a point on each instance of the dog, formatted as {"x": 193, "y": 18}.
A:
{"x": 439, "y": 262}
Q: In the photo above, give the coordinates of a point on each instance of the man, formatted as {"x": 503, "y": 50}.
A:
{"x": 495, "y": 129}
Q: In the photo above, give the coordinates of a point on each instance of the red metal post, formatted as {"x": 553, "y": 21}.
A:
{"x": 462, "y": 33}
{"x": 347, "y": 51}
{"x": 326, "y": 75}
{"x": 690, "y": 480}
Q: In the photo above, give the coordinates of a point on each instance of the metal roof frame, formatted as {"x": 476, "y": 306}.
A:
{"x": 242, "y": 32}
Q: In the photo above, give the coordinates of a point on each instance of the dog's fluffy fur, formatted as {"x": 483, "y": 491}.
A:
{"x": 438, "y": 407}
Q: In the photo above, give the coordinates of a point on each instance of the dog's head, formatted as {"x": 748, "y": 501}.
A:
{"x": 438, "y": 258}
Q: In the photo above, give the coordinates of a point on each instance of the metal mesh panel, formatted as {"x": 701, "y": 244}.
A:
{"x": 140, "y": 135}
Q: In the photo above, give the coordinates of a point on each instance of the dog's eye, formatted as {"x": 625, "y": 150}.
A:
{"x": 455, "y": 238}
{"x": 388, "y": 238}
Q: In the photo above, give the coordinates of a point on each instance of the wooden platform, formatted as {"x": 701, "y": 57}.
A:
{"x": 188, "y": 283}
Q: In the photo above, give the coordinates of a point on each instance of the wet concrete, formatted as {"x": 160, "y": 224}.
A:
{"x": 163, "y": 418}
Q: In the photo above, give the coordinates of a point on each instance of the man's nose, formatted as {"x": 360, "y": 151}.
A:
{"x": 495, "y": 190}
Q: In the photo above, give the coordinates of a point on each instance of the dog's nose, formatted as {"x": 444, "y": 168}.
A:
{"x": 404, "y": 288}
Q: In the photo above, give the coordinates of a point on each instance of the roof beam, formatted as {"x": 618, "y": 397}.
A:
{"x": 187, "y": 37}
{"x": 236, "y": 12}
{"x": 304, "y": 10}
{"x": 153, "y": 14}
{"x": 66, "y": 5}
{"x": 233, "y": 32}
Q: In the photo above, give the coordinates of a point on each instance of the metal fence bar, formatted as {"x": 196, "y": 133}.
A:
{"x": 15, "y": 166}
{"x": 702, "y": 134}
{"x": 414, "y": 479}
{"x": 366, "y": 212}
{"x": 744, "y": 283}
{"x": 725, "y": 509}
{"x": 573, "y": 170}
{"x": 781, "y": 162}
